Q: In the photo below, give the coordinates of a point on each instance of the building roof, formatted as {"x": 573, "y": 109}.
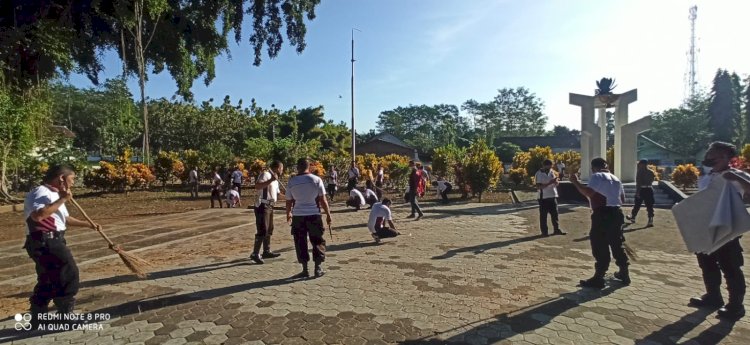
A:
{"x": 389, "y": 138}
{"x": 553, "y": 141}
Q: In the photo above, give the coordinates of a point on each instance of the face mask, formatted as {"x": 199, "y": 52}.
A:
{"x": 709, "y": 162}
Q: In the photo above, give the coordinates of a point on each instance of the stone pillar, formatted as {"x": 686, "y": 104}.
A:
{"x": 629, "y": 143}
{"x": 603, "y": 132}
{"x": 623, "y": 145}
{"x": 590, "y": 132}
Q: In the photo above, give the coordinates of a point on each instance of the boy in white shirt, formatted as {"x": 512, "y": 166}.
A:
{"x": 379, "y": 214}
{"x": 233, "y": 198}
{"x": 356, "y": 199}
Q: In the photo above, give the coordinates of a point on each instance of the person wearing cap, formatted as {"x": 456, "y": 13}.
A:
{"x": 47, "y": 219}
{"x": 267, "y": 186}
{"x": 644, "y": 192}
{"x": 728, "y": 259}
{"x": 606, "y": 196}
{"x": 546, "y": 182}
{"x": 305, "y": 197}
{"x": 379, "y": 214}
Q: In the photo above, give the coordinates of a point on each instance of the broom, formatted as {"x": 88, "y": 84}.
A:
{"x": 134, "y": 263}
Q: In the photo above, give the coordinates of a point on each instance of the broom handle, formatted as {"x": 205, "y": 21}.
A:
{"x": 111, "y": 244}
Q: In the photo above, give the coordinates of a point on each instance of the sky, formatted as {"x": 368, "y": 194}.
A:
{"x": 446, "y": 52}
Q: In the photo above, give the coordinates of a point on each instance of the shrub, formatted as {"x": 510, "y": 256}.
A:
{"x": 537, "y": 156}
{"x": 571, "y": 159}
{"x": 517, "y": 175}
{"x": 317, "y": 168}
{"x": 167, "y": 165}
{"x": 482, "y": 168}
{"x": 685, "y": 175}
{"x": 444, "y": 158}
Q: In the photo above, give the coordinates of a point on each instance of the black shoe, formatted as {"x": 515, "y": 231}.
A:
{"x": 545, "y": 234}
{"x": 559, "y": 232}
{"x": 593, "y": 282}
{"x": 410, "y": 216}
{"x": 731, "y": 312}
{"x": 302, "y": 275}
{"x": 319, "y": 272}
{"x": 623, "y": 276}
{"x": 270, "y": 255}
{"x": 256, "y": 259}
{"x": 419, "y": 217}
{"x": 706, "y": 301}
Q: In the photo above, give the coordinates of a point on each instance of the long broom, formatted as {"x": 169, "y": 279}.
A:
{"x": 134, "y": 263}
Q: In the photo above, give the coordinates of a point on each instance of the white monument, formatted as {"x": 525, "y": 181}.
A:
{"x": 594, "y": 133}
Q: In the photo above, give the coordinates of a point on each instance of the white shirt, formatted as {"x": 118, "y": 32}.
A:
{"x": 357, "y": 194}
{"x": 334, "y": 176}
{"x": 217, "y": 178}
{"x": 442, "y": 186}
{"x": 353, "y": 172}
{"x": 232, "y": 195}
{"x": 560, "y": 166}
{"x": 369, "y": 193}
{"x": 193, "y": 176}
{"x": 378, "y": 211}
{"x": 705, "y": 180}
{"x": 273, "y": 188}
{"x": 541, "y": 177}
{"x": 305, "y": 190}
{"x": 380, "y": 174}
{"x": 608, "y": 185}
{"x": 39, "y": 198}
{"x": 237, "y": 176}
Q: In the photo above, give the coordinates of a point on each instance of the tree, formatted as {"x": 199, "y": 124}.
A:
{"x": 564, "y": 131}
{"x": 41, "y": 39}
{"x": 685, "y": 129}
{"x": 722, "y": 112}
{"x": 423, "y": 126}
{"x": 513, "y": 112}
{"x": 506, "y": 151}
{"x": 444, "y": 158}
{"x": 167, "y": 165}
{"x": 482, "y": 168}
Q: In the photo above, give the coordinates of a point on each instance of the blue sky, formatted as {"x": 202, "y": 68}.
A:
{"x": 439, "y": 51}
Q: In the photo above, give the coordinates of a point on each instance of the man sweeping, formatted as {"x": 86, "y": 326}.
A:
{"x": 606, "y": 195}
{"x": 47, "y": 218}
{"x": 305, "y": 196}
{"x": 267, "y": 186}
{"x": 379, "y": 214}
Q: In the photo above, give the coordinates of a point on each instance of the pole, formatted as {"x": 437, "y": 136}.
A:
{"x": 354, "y": 133}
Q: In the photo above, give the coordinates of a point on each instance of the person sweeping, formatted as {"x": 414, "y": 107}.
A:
{"x": 47, "y": 218}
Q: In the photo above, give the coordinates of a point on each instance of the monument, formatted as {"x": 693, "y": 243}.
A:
{"x": 594, "y": 131}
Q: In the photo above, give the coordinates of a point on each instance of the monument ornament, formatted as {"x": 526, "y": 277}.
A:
{"x": 604, "y": 92}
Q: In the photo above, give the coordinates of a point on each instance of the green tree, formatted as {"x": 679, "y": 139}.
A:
{"x": 537, "y": 156}
{"x": 444, "y": 158}
{"x": 506, "y": 151}
{"x": 685, "y": 129}
{"x": 423, "y": 126}
{"x": 482, "y": 168}
{"x": 167, "y": 165}
{"x": 722, "y": 112}
{"x": 564, "y": 131}
{"x": 512, "y": 113}
{"x": 258, "y": 148}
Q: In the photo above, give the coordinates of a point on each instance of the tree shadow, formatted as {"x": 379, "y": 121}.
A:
{"x": 485, "y": 247}
{"x": 673, "y": 332}
{"x": 526, "y": 319}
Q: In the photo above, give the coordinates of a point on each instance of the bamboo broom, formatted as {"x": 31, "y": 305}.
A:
{"x": 134, "y": 263}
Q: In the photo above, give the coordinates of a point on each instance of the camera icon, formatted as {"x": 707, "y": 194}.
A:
{"x": 23, "y": 322}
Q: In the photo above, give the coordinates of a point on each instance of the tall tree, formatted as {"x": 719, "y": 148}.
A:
{"x": 722, "y": 117}
{"x": 512, "y": 113}
{"x": 673, "y": 127}
{"x": 423, "y": 126}
{"x": 564, "y": 131}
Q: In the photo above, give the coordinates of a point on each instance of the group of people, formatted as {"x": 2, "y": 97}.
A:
{"x": 306, "y": 204}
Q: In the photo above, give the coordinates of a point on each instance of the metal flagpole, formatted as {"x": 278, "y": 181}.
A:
{"x": 354, "y": 133}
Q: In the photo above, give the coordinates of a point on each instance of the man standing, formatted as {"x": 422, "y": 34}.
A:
{"x": 415, "y": 178}
{"x": 333, "y": 177}
{"x": 216, "y": 189}
{"x": 644, "y": 192}
{"x": 546, "y": 182}
{"x": 379, "y": 214}
{"x": 267, "y": 186}
{"x": 353, "y": 176}
{"x": 379, "y": 178}
{"x": 237, "y": 180}
{"x": 606, "y": 195}
{"x": 46, "y": 221}
{"x": 193, "y": 182}
{"x": 305, "y": 196}
{"x": 728, "y": 259}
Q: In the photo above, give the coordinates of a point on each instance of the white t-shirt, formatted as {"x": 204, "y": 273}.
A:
{"x": 232, "y": 195}
{"x": 378, "y": 211}
{"x": 305, "y": 190}
{"x": 273, "y": 188}
{"x": 560, "y": 166}
{"x": 380, "y": 174}
{"x": 357, "y": 194}
{"x": 237, "y": 176}
{"x": 705, "y": 180}
{"x": 369, "y": 193}
{"x": 608, "y": 185}
{"x": 353, "y": 172}
{"x": 334, "y": 176}
{"x": 442, "y": 186}
{"x": 193, "y": 176}
{"x": 542, "y": 177}
{"x": 39, "y": 198}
